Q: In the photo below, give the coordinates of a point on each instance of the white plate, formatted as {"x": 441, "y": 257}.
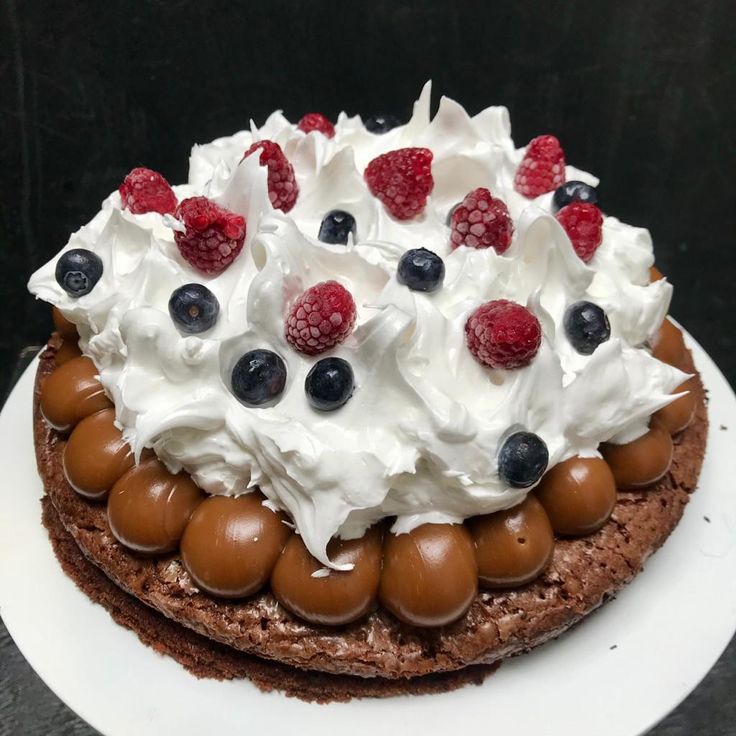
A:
{"x": 617, "y": 673}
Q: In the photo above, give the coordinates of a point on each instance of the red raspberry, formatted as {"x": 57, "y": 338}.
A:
{"x": 144, "y": 190}
{"x": 282, "y": 187}
{"x": 503, "y": 334}
{"x": 321, "y": 317}
{"x": 481, "y": 221}
{"x": 214, "y": 236}
{"x": 583, "y": 223}
{"x": 316, "y": 121}
{"x": 402, "y": 180}
{"x": 542, "y": 169}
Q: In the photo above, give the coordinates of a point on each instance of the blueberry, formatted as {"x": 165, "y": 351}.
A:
{"x": 77, "y": 271}
{"x": 329, "y": 384}
{"x": 336, "y": 226}
{"x": 573, "y": 191}
{"x": 193, "y": 308}
{"x": 421, "y": 270}
{"x": 522, "y": 459}
{"x": 586, "y": 326}
{"x": 381, "y": 123}
{"x": 259, "y": 377}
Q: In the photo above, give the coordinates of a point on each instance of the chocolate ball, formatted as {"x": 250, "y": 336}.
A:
{"x": 96, "y": 455}
{"x": 578, "y": 495}
{"x": 68, "y": 350}
{"x": 641, "y": 462}
{"x": 655, "y": 274}
{"x": 231, "y": 544}
{"x": 668, "y": 345}
{"x": 430, "y": 575}
{"x": 149, "y": 507}
{"x": 513, "y": 546}
{"x": 336, "y": 597}
{"x": 71, "y": 393}
{"x": 67, "y": 329}
{"x": 676, "y": 416}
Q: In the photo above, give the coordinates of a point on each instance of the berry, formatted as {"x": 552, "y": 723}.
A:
{"x": 282, "y": 187}
{"x": 542, "y": 169}
{"x": 480, "y": 221}
{"x": 213, "y": 237}
{"x": 503, "y": 334}
{"x": 421, "y": 270}
{"x": 193, "y": 308}
{"x": 320, "y": 318}
{"x": 522, "y": 459}
{"x": 77, "y": 271}
{"x": 329, "y": 384}
{"x": 586, "y": 326}
{"x": 258, "y": 377}
{"x": 144, "y": 190}
{"x": 381, "y": 123}
{"x": 402, "y": 180}
{"x": 336, "y": 226}
{"x": 583, "y": 223}
{"x": 316, "y": 121}
{"x": 573, "y": 191}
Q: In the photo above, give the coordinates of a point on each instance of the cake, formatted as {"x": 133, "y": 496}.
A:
{"x": 364, "y": 407}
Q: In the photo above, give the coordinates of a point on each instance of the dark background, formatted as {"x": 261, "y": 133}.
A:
{"x": 643, "y": 94}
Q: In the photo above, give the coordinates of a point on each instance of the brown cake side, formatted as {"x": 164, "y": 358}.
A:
{"x": 583, "y": 574}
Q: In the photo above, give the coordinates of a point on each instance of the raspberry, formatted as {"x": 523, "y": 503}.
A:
{"x": 583, "y": 223}
{"x": 402, "y": 180}
{"x": 144, "y": 190}
{"x": 321, "y": 317}
{"x": 316, "y": 121}
{"x": 503, "y": 334}
{"x": 542, "y": 169}
{"x": 282, "y": 187}
{"x": 481, "y": 221}
{"x": 214, "y": 236}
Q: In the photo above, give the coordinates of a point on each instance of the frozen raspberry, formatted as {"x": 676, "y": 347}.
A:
{"x": 503, "y": 334}
{"x": 214, "y": 236}
{"x": 316, "y": 121}
{"x": 480, "y": 221}
{"x": 583, "y": 223}
{"x": 145, "y": 190}
{"x": 402, "y": 180}
{"x": 542, "y": 169}
{"x": 282, "y": 187}
{"x": 321, "y": 317}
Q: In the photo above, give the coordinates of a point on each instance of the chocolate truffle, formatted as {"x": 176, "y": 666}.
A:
{"x": 668, "y": 345}
{"x": 68, "y": 350}
{"x": 231, "y": 544}
{"x": 430, "y": 575}
{"x": 677, "y": 415}
{"x": 333, "y": 597}
{"x": 73, "y": 391}
{"x": 641, "y": 462}
{"x": 655, "y": 274}
{"x": 578, "y": 495}
{"x": 513, "y": 546}
{"x": 149, "y": 507}
{"x": 67, "y": 329}
{"x": 96, "y": 455}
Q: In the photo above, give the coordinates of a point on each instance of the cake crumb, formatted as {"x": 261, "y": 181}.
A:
{"x": 613, "y": 646}
{"x": 724, "y": 427}
{"x": 707, "y": 519}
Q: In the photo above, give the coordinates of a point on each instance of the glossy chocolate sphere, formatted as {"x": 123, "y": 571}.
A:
{"x": 513, "y": 546}
{"x": 67, "y": 329}
{"x": 655, "y": 274}
{"x": 668, "y": 345}
{"x": 68, "y": 350}
{"x": 231, "y": 544}
{"x": 642, "y": 462}
{"x": 677, "y": 415}
{"x": 430, "y": 575}
{"x": 578, "y": 495}
{"x": 334, "y": 597}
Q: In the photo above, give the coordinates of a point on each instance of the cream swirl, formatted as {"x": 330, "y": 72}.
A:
{"x": 418, "y": 439}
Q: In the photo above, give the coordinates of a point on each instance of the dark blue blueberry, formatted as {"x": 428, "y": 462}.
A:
{"x": 193, "y": 308}
{"x": 329, "y": 384}
{"x": 381, "y": 123}
{"x": 336, "y": 226}
{"x": 573, "y": 191}
{"x": 522, "y": 460}
{"x": 421, "y": 270}
{"x": 259, "y": 377}
{"x": 586, "y": 326}
{"x": 78, "y": 270}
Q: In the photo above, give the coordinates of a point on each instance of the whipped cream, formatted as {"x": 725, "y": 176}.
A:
{"x": 418, "y": 439}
